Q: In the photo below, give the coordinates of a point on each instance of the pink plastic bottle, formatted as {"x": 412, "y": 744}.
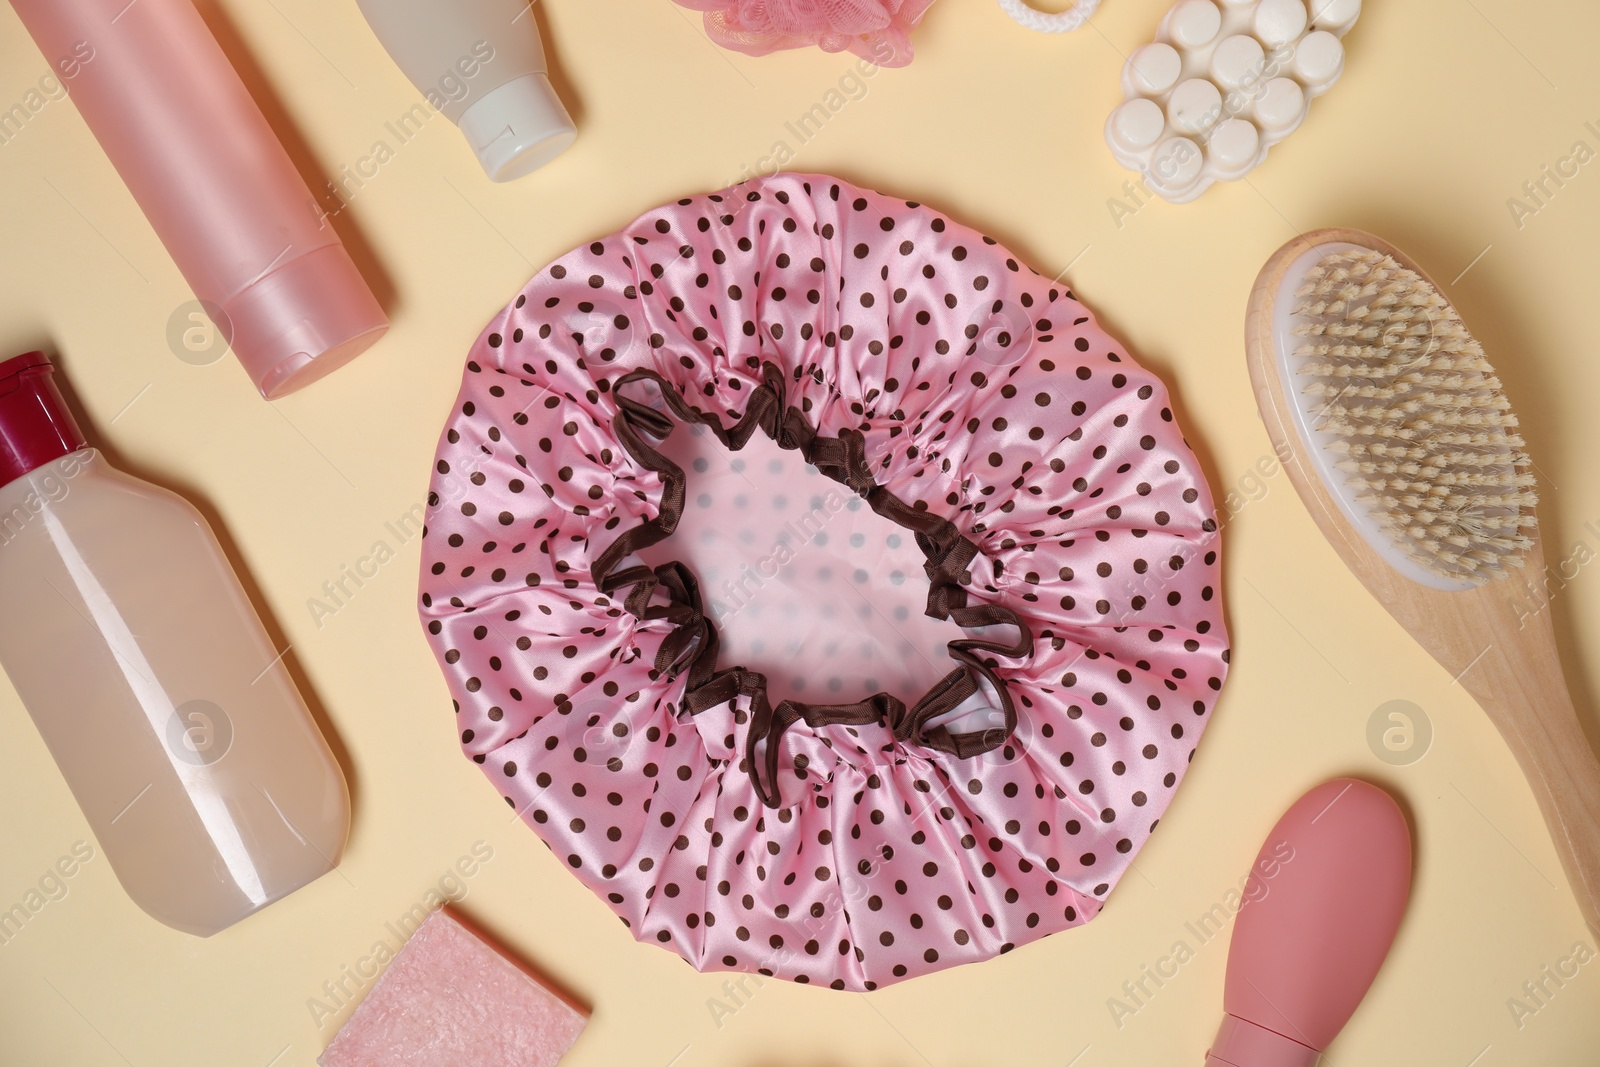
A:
{"x": 1326, "y": 895}
{"x": 212, "y": 178}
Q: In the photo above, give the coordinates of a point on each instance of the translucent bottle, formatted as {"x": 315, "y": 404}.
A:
{"x": 195, "y": 151}
{"x": 158, "y": 692}
{"x": 482, "y": 64}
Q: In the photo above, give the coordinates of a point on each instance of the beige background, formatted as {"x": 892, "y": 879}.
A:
{"x": 1446, "y": 108}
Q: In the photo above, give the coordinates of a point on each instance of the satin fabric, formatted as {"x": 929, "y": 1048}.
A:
{"x": 985, "y": 393}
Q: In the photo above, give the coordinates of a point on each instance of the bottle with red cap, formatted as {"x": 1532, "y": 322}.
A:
{"x": 150, "y": 676}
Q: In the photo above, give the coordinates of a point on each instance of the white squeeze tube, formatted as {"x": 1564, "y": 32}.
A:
{"x": 482, "y": 64}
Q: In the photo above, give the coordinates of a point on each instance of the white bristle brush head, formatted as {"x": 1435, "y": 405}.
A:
{"x": 1408, "y": 426}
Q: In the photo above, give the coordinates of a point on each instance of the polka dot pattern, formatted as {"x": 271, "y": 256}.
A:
{"x": 980, "y": 392}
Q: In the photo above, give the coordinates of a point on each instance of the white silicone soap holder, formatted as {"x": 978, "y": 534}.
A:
{"x": 1224, "y": 81}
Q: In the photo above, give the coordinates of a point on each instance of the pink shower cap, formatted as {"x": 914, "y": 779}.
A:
{"x": 875, "y": 30}
{"x": 949, "y": 395}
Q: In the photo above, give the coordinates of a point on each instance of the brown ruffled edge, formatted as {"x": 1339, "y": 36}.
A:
{"x": 691, "y": 647}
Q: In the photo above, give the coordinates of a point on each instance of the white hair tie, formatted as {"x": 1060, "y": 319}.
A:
{"x": 1044, "y": 22}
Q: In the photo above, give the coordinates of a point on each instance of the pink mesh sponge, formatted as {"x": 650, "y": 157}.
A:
{"x": 876, "y": 30}
{"x": 451, "y": 998}
{"x": 835, "y": 597}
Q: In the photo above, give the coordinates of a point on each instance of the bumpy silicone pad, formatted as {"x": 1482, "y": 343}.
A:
{"x": 1222, "y": 83}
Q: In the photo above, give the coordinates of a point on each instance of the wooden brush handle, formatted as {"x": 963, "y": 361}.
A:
{"x": 1518, "y": 682}
{"x": 1495, "y": 639}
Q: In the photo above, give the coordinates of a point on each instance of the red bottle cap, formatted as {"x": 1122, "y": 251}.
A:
{"x": 35, "y": 425}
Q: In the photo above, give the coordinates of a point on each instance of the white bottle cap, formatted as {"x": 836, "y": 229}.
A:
{"x": 518, "y": 127}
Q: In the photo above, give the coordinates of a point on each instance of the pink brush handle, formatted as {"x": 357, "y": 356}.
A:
{"x": 1322, "y": 906}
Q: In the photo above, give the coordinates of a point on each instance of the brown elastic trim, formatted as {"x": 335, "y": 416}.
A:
{"x": 690, "y": 649}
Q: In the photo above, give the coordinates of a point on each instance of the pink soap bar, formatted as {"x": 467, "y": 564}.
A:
{"x": 450, "y": 997}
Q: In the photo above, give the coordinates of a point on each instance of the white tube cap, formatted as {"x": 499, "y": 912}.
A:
{"x": 518, "y": 127}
